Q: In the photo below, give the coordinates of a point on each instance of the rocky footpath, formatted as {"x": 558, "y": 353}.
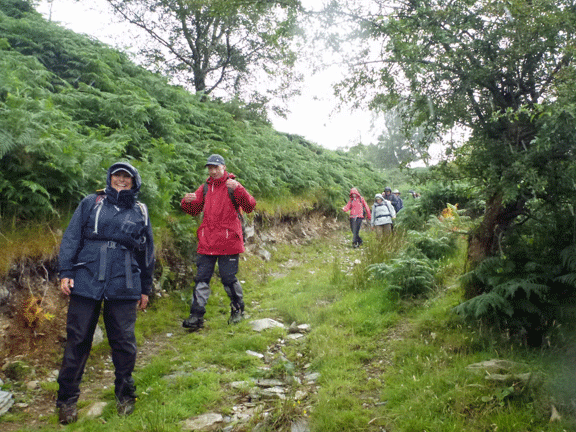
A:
{"x": 32, "y": 337}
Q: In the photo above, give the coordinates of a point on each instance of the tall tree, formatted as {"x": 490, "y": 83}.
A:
{"x": 216, "y": 44}
{"x": 493, "y": 67}
{"x": 506, "y": 71}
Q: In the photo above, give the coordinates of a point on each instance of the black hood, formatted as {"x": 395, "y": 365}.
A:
{"x": 123, "y": 198}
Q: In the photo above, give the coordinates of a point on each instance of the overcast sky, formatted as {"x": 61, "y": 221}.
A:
{"x": 312, "y": 115}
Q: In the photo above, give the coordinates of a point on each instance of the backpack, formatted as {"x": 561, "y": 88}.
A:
{"x": 234, "y": 203}
{"x": 364, "y": 205}
{"x": 100, "y": 195}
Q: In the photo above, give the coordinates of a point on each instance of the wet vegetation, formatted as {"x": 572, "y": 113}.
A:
{"x": 481, "y": 267}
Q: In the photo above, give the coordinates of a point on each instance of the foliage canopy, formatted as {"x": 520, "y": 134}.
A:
{"x": 71, "y": 106}
{"x": 220, "y": 44}
{"x": 505, "y": 71}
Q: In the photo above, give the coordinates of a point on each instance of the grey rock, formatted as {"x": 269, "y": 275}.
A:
{"x": 303, "y": 328}
{"x": 96, "y": 409}
{"x": 495, "y": 366}
{"x": 300, "y": 425}
{"x": 523, "y": 377}
{"x": 249, "y": 232}
{"x": 312, "y": 377}
{"x": 300, "y": 395}
{"x": 98, "y": 336}
{"x": 203, "y": 421}
{"x": 294, "y": 336}
{"x": 242, "y": 413}
{"x": 255, "y": 354}
{"x": 273, "y": 392}
{"x": 6, "y": 401}
{"x": 264, "y": 254}
{"x": 266, "y": 323}
{"x": 4, "y": 295}
{"x": 240, "y": 384}
{"x": 33, "y": 385}
{"x": 269, "y": 383}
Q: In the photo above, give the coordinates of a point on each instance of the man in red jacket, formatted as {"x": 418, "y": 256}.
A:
{"x": 219, "y": 238}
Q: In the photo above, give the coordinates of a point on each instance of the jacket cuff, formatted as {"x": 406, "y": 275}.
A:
{"x": 69, "y": 274}
{"x": 147, "y": 289}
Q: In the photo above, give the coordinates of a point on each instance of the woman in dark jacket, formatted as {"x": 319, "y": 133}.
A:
{"x": 106, "y": 257}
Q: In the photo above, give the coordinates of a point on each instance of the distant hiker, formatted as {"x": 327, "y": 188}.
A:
{"x": 106, "y": 256}
{"x": 356, "y": 206}
{"x": 382, "y": 214}
{"x": 399, "y": 203}
{"x": 389, "y": 196}
{"x": 219, "y": 238}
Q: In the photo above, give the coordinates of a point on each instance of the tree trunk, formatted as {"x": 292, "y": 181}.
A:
{"x": 486, "y": 241}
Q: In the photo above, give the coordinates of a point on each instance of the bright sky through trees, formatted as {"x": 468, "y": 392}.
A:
{"x": 313, "y": 115}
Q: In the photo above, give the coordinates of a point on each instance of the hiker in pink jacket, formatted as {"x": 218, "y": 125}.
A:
{"x": 358, "y": 210}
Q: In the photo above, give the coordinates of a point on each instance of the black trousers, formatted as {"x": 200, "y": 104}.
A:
{"x": 119, "y": 319}
{"x": 228, "y": 267}
{"x": 355, "y": 225}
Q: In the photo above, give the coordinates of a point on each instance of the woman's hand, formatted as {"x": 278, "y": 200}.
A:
{"x": 66, "y": 285}
{"x": 143, "y": 302}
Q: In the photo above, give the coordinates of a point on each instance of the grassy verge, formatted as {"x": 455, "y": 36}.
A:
{"x": 383, "y": 363}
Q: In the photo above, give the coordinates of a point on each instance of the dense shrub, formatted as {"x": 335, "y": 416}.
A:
{"x": 434, "y": 247}
{"x": 523, "y": 295}
{"x": 407, "y": 276}
{"x": 435, "y": 198}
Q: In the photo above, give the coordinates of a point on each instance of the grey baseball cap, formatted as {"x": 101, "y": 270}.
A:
{"x": 215, "y": 159}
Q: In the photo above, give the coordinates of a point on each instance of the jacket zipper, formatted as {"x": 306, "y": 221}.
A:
{"x": 97, "y": 217}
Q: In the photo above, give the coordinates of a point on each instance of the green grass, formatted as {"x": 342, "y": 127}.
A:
{"x": 384, "y": 364}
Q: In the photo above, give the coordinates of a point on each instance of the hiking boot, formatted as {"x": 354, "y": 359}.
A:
{"x": 236, "y": 315}
{"x": 193, "y": 323}
{"x": 67, "y": 414}
{"x": 125, "y": 407}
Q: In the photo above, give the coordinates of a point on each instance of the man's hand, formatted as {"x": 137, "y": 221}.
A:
{"x": 66, "y": 285}
{"x": 189, "y": 197}
{"x": 232, "y": 184}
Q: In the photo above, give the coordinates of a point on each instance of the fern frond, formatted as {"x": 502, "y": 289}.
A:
{"x": 486, "y": 270}
{"x": 485, "y": 306}
{"x": 567, "y": 279}
{"x": 510, "y": 289}
{"x": 568, "y": 256}
{"x": 7, "y": 143}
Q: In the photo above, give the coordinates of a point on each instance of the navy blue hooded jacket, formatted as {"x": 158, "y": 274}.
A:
{"x": 108, "y": 248}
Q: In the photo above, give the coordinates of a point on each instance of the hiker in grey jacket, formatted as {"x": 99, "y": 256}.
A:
{"x": 106, "y": 257}
{"x": 382, "y": 215}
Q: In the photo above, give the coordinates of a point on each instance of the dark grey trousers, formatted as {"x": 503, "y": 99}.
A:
{"x": 228, "y": 267}
{"x": 355, "y": 225}
{"x": 119, "y": 319}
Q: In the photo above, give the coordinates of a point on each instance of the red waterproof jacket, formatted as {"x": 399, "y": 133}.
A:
{"x": 220, "y": 232}
{"x": 357, "y": 205}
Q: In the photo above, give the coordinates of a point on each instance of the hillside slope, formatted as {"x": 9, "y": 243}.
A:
{"x": 71, "y": 106}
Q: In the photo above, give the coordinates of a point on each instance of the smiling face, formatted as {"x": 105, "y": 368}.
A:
{"x": 121, "y": 180}
{"x": 216, "y": 171}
